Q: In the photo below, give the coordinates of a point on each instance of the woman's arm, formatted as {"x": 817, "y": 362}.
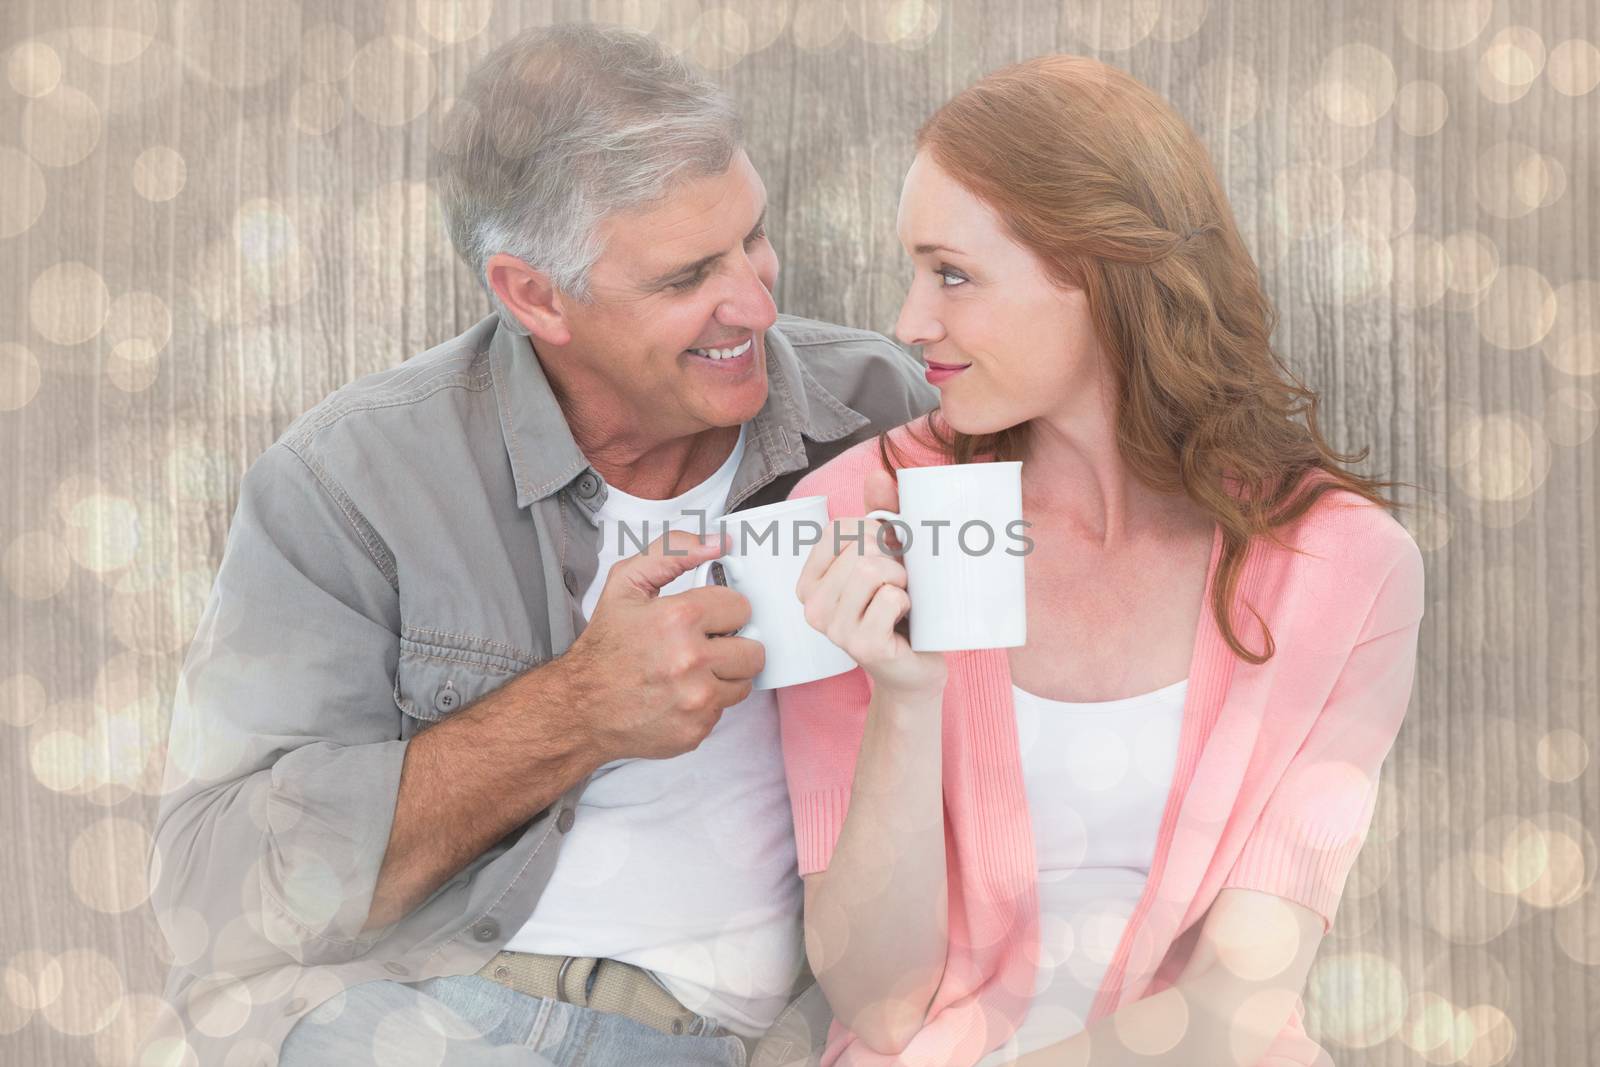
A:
{"x": 1228, "y": 1005}
{"x": 876, "y": 919}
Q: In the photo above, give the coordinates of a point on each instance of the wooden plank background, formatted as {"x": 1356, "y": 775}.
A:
{"x": 211, "y": 215}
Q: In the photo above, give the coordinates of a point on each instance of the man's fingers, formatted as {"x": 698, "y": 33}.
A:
{"x": 722, "y": 610}
{"x": 737, "y": 659}
{"x": 663, "y": 560}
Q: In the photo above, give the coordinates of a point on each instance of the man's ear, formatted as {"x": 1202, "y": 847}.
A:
{"x": 530, "y": 296}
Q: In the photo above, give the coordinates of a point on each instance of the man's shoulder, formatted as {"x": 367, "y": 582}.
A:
{"x": 428, "y": 394}
{"x": 863, "y": 369}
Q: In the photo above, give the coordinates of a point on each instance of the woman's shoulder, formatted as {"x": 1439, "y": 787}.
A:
{"x": 1350, "y": 551}
{"x": 841, "y": 478}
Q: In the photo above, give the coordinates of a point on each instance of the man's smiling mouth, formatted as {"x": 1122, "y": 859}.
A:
{"x": 724, "y": 353}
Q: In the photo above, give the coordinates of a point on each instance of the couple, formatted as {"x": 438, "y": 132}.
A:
{"x": 452, "y": 781}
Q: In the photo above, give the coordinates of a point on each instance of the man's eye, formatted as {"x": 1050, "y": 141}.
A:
{"x": 687, "y": 283}
{"x": 757, "y": 236}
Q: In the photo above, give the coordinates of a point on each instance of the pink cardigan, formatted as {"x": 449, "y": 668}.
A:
{"x": 1276, "y": 776}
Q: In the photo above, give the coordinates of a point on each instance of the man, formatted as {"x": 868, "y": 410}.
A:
{"x": 454, "y": 778}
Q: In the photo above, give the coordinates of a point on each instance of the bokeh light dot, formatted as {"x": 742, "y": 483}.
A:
{"x": 326, "y": 52}
{"x": 318, "y": 109}
{"x": 22, "y": 699}
{"x": 1421, "y": 270}
{"x": 454, "y": 21}
{"x": 237, "y": 46}
{"x": 818, "y": 24}
{"x": 1442, "y": 25}
{"x": 1113, "y": 27}
{"x": 37, "y": 565}
{"x": 1360, "y": 998}
{"x": 107, "y": 865}
{"x": 159, "y": 173}
{"x": 133, "y": 366}
{"x": 1474, "y": 261}
{"x": 62, "y": 127}
{"x": 1574, "y": 67}
{"x": 68, "y": 302}
{"x": 392, "y": 80}
{"x": 92, "y": 990}
{"x": 1573, "y": 345}
{"x": 1421, "y": 108}
{"x": 1494, "y": 1036}
{"x": 1518, "y": 310}
{"x": 1383, "y": 201}
{"x": 1563, "y": 755}
{"x": 1571, "y": 416}
{"x": 1357, "y": 85}
{"x": 20, "y": 375}
{"x": 103, "y": 532}
{"x": 1515, "y": 57}
{"x": 33, "y": 68}
{"x": 1180, "y": 19}
{"x": 113, "y": 31}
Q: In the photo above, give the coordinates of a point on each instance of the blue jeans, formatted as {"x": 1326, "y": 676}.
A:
{"x": 469, "y": 1021}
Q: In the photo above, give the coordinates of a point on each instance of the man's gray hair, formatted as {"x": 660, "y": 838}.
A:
{"x": 560, "y": 127}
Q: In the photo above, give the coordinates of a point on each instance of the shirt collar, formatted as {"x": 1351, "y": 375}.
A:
{"x": 544, "y": 457}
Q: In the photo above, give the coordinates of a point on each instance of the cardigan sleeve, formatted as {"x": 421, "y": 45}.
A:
{"x": 1315, "y": 820}
{"x": 821, "y": 723}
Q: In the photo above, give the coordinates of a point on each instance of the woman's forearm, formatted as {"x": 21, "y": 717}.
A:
{"x": 1212, "y": 1018}
{"x": 876, "y": 919}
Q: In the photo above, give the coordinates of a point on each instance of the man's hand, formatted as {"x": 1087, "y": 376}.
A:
{"x": 652, "y": 677}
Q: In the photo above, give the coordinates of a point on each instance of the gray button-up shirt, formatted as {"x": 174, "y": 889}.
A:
{"x": 412, "y": 542}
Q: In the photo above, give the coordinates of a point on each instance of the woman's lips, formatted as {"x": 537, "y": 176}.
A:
{"x": 942, "y": 372}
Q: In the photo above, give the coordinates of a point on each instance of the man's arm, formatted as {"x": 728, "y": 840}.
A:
{"x": 474, "y": 778}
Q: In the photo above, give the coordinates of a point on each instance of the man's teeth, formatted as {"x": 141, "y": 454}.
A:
{"x": 722, "y": 353}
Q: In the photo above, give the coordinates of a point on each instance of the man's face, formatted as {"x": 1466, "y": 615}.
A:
{"x": 681, "y": 283}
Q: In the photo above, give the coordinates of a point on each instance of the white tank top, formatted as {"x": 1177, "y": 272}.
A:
{"x": 1097, "y": 777}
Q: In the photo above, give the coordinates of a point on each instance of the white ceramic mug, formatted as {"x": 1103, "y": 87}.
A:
{"x": 963, "y": 540}
{"x": 767, "y": 547}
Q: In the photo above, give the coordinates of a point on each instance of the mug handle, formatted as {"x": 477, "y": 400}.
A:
{"x": 715, "y": 572}
{"x": 889, "y": 517}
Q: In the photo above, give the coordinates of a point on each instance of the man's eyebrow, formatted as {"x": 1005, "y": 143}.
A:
{"x": 689, "y": 270}
{"x": 928, "y": 250}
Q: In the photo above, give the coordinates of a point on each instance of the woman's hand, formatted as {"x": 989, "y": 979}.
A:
{"x": 855, "y": 593}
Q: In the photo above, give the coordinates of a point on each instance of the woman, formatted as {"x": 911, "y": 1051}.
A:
{"x": 1124, "y": 841}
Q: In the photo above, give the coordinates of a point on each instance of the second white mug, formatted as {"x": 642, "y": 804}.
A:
{"x": 963, "y": 540}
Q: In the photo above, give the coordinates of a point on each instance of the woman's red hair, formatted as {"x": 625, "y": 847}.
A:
{"x": 1111, "y": 190}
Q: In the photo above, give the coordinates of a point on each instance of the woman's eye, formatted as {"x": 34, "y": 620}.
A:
{"x": 949, "y": 277}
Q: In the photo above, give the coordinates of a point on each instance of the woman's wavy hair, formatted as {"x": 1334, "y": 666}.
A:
{"x": 1111, "y": 190}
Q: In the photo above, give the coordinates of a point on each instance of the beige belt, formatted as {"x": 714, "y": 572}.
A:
{"x": 599, "y": 984}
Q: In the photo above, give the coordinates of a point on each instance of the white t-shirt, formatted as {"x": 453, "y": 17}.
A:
{"x": 684, "y": 866}
{"x": 1097, "y": 777}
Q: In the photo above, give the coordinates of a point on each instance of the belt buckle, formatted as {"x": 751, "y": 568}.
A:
{"x": 561, "y": 980}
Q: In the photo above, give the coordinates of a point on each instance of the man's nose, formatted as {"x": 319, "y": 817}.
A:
{"x": 748, "y": 303}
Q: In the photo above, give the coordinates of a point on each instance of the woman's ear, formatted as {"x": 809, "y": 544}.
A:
{"x": 530, "y": 295}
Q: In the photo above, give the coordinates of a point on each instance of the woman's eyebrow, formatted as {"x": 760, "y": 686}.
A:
{"x": 926, "y": 250}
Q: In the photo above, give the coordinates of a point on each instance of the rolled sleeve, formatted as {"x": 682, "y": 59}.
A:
{"x": 284, "y": 757}
{"x": 1317, "y": 817}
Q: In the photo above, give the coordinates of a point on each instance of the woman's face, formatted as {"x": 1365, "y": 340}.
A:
{"x": 979, "y": 301}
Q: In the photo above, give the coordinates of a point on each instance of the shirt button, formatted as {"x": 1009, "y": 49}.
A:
{"x": 487, "y": 930}
{"x": 396, "y": 968}
{"x": 446, "y": 698}
{"x": 588, "y": 485}
{"x": 565, "y": 820}
{"x": 295, "y": 1006}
